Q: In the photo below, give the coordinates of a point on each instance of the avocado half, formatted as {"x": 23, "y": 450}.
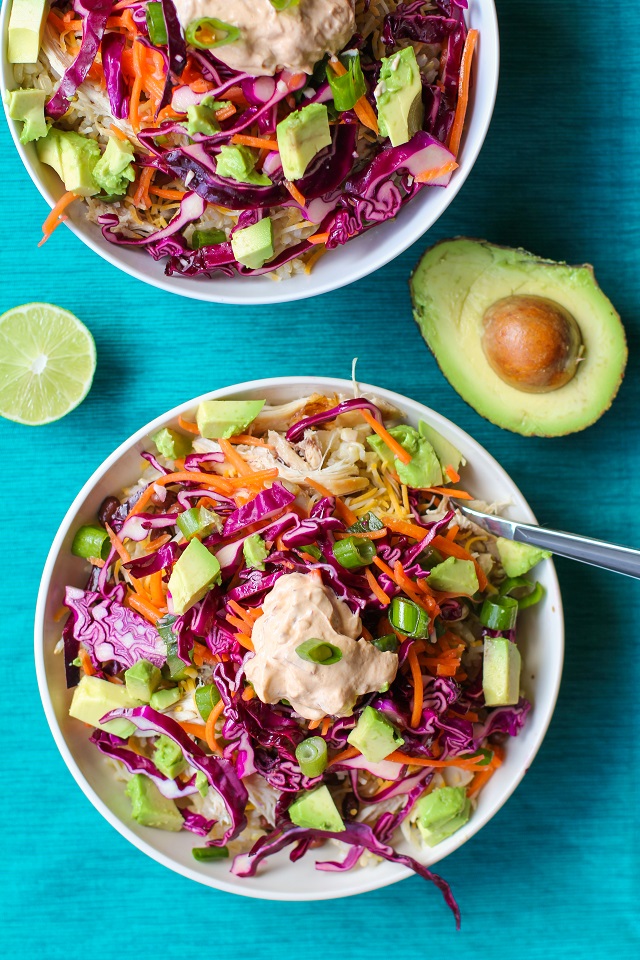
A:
{"x": 455, "y": 289}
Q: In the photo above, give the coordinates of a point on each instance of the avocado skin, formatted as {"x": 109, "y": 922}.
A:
{"x": 501, "y": 413}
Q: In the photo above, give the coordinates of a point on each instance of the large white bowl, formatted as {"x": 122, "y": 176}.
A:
{"x": 541, "y": 640}
{"x": 360, "y": 257}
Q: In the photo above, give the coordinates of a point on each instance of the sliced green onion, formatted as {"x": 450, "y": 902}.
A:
{"x": 354, "y": 552}
{"x": 155, "y": 25}
{"x": 366, "y": 524}
{"x": 499, "y": 613}
{"x": 525, "y": 591}
{"x": 207, "y": 238}
{"x": 109, "y": 197}
{"x": 530, "y": 599}
{"x": 164, "y": 628}
{"x": 408, "y": 618}
{"x": 216, "y": 33}
{"x": 351, "y": 86}
{"x": 311, "y": 755}
{"x": 205, "y": 854}
{"x": 319, "y": 651}
{"x": 206, "y": 698}
{"x": 91, "y": 542}
{"x": 198, "y": 521}
{"x": 487, "y": 757}
{"x": 312, "y": 550}
{"x": 387, "y": 644}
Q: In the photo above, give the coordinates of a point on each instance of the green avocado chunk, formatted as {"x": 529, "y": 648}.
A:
{"x": 501, "y": 667}
{"x": 114, "y": 170}
{"x": 447, "y": 454}
{"x": 374, "y": 735}
{"x": 301, "y": 136}
{"x": 201, "y": 117}
{"x": 194, "y": 573}
{"x": 399, "y": 97}
{"x": 26, "y": 25}
{"x": 317, "y": 811}
{"x": 142, "y": 679}
{"x": 455, "y": 576}
{"x": 93, "y": 698}
{"x": 171, "y": 444}
{"x": 255, "y": 551}
{"x": 225, "y": 418}
{"x": 454, "y": 286}
{"x": 237, "y": 162}
{"x": 149, "y": 807}
{"x": 424, "y": 469}
{"x": 168, "y": 757}
{"x": 442, "y": 812}
{"x": 28, "y": 106}
{"x": 73, "y": 157}
{"x": 163, "y": 699}
{"x": 253, "y": 245}
{"x": 518, "y": 558}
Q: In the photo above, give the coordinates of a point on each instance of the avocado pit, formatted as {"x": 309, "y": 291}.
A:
{"x": 532, "y": 343}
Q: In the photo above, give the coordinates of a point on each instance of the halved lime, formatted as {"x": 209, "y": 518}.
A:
{"x": 47, "y": 362}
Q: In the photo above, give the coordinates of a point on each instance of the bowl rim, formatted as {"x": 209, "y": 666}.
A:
{"x": 365, "y": 879}
{"x": 270, "y": 292}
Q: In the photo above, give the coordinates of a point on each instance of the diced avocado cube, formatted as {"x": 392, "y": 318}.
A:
{"x": 253, "y": 245}
{"x": 301, "y": 136}
{"x": 255, "y": 551}
{"x": 399, "y": 97}
{"x": 93, "y": 698}
{"x": 424, "y": 469}
{"x": 142, "y": 679}
{"x": 225, "y": 418}
{"x": 171, "y": 444}
{"x": 28, "y": 106}
{"x": 442, "y": 812}
{"x": 519, "y": 558}
{"x": 198, "y": 521}
{"x": 73, "y": 157}
{"x": 168, "y": 757}
{"x": 455, "y": 576}
{"x": 114, "y": 170}
{"x": 149, "y": 807}
{"x": 201, "y": 117}
{"x": 202, "y": 783}
{"x": 500, "y": 672}
{"x": 26, "y": 24}
{"x": 447, "y": 454}
{"x": 374, "y": 736}
{"x": 163, "y": 699}
{"x": 316, "y": 811}
{"x": 237, "y": 162}
{"x": 194, "y": 573}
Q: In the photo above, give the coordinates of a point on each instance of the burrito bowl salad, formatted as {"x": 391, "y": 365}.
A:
{"x": 243, "y": 137}
{"x": 290, "y": 636}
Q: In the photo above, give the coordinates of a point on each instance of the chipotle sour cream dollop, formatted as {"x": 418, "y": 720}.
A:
{"x": 298, "y": 608}
{"x": 272, "y": 39}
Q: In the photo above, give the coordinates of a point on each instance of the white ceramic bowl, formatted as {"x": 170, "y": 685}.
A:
{"x": 540, "y": 639}
{"x": 360, "y": 257}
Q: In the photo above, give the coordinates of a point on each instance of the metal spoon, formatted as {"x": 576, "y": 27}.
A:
{"x": 609, "y": 556}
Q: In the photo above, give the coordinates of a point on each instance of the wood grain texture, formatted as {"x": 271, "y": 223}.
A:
{"x": 555, "y": 874}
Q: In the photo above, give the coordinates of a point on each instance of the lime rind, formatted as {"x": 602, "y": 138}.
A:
{"x": 47, "y": 363}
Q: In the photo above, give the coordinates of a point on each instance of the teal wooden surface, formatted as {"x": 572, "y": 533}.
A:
{"x": 555, "y": 874}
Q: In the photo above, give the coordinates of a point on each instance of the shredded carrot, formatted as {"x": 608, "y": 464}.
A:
{"x": 343, "y": 511}
{"x": 318, "y": 238}
{"x": 421, "y": 595}
{"x": 96, "y": 562}
{"x": 453, "y": 475}
{"x": 418, "y": 686}
{"x": 314, "y": 724}
{"x": 56, "y": 217}
{"x": 236, "y": 622}
{"x": 445, "y": 492}
{"x": 295, "y": 193}
{"x": 188, "y": 426}
{"x": 260, "y": 142}
{"x": 326, "y": 723}
{"x": 209, "y": 730}
{"x": 60, "y": 613}
{"x": 376, "y": 589}
{"x": 136, "y": 90}
{"x": 248, "y": 615}
{"x": 155, "y": 589}
{"x": 193, "y": 729}
{"x": 120, "y": 134}
{"x": 363, "y": 109}
{"x": 177, "y": 195}
{"x": 449, "y": 549}
{"x": 313, "y": 259}
{"x": 115, "y": 680}
{"x": 225, "y": 112}
{"x": 85, "y": 660}
{"x": 248, "y": 693}
{"x": 219, "y": 484}
{"x": 463, "y": 92}
{"x": 452, "y": 532}
{"x": 250, "y": 441}
{"x": 465, "y": 764}
{"x": 202, "y": 654}
{"x": 118, "y": 545}
{"x": 384, "y": 434}
{"x": 234, "y": 458}
{"x": 365, "y": 535}
{"x": 347, "y": 754}
{"x": 245, "y": 642}
{"x": 405, "y": 528}
{"x": 145, "y": 607}
{"x": 428, "y": 176}
{"x": 141, "y": 196}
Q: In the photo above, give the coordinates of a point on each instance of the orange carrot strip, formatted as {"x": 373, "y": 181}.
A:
{"x": 202, "y": 654}
{"x": 445, "y": 492}
{"x": 463, "y": 92}
{"x": 193, "y": 729}
{"x": 347, "y": 754}
{"x": 225, "y": 112}
{"x": 145, "y": 607}
{"x": 120, "y": 134}
{"x": 219, "y": 484}
{"x": 422, "y": 597}
{"x": 376, "y": 589}
{"x": 363, "y": 109}
{"x": 384, "y": 434}
{"x": 452, "y": 532}
{"x": 155, "y": 589}
{"x": 295, "y": 193}
{"x": 428, "y": 176}
{"x": 250, "y": 441}
{"x": 404, "y": 527}
{"x": 118, "y": 545}
{"x": 248, "y": 693}
{"x": 260, "y": 142}
{"x": 136, "y": 90}
{"x": 453, "y": 475}
{"x": 245, "y": 642}
{"x": 96, "y": 562}
{"x": 343, "y": 511}
{"x": 314, "y": 724}
{"x": 167, "y": 195}
{"x": 210, "y": 726}
{"x": 85, "y": 660}
{"x": 468, "y": 764}
{"x": 234, "y": 458}
{"x": 418, "y": 686}
{"x": 365, "y": 535}
{"x": 188, "y": 426}
{"x": 56, "y": 217}
{"x": 141, "y": 196}
{"x": 60, "y": 613}
{"x": 318, "y": 238}
{"x": 326, "y": 723}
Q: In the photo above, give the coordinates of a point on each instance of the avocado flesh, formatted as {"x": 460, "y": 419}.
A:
{"x": 458, "y": 280}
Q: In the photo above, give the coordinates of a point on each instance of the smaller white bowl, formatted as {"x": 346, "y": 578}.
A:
{"x": 358, "y": 258}
{"x": 541, "y": 640}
